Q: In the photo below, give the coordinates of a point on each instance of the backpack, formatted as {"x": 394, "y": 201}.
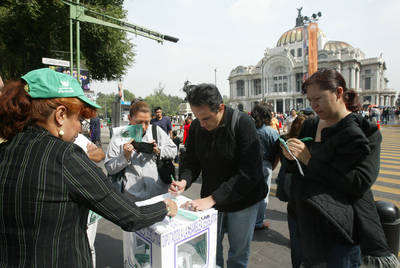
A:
{"x": 165, "y": 167}
{"x": 235, "y": 121}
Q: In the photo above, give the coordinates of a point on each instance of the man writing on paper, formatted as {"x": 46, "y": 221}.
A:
{"x": 223, "y": 146}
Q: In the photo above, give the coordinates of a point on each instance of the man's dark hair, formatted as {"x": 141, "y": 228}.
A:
{"x": 157, "y": 108}
{"x": 174, "y": 133}
{"x": 204, "y": 94}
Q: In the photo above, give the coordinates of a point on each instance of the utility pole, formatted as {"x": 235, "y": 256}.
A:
{"x": 215, "y": 76}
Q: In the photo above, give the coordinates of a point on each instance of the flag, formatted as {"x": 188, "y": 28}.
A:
{"x": 312, "y": 48}
{"x": 305, "y": 51}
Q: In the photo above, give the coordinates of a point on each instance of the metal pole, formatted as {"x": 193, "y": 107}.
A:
{"x": 215, "y": 76}
{"x": 105, "y": 107}
{"x": 71, "y": 46}
{"x": 78, "y": 48}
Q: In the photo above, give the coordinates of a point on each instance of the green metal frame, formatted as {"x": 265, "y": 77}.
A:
{"x": 77, "y": 13}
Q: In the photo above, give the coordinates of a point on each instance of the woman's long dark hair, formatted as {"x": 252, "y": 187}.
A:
{"x": 330, "y": 79}
{"x": 261, "y": 114}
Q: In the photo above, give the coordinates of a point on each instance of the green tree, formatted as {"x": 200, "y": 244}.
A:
{"x": 32, "y": 29}
{"x": 226, "y": 100}
{"x": 128, "y": 96}
{"x": 169, "y": 103}
{"x": 105, "y": 101}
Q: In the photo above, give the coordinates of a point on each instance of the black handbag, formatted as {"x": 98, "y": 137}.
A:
{"x": 118, "y": 180}
{"x": 165, "y": 167}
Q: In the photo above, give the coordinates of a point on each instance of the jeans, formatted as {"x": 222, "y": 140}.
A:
{"x": 344, "y": 256}
{"x": 239, "y": 226}
{"x": 263, "y": 204}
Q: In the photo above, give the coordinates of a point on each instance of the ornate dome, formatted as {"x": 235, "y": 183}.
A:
{"x": 295, "y": 35}
{"x": 336, "y": 45}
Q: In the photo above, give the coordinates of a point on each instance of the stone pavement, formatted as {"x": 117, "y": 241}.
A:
{"x": 269, "y": 248}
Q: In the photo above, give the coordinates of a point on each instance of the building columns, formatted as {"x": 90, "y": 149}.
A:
{"x": 353, "y": 77}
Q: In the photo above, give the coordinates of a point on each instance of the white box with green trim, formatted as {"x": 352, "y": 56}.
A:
{"x": 187, "y": 240}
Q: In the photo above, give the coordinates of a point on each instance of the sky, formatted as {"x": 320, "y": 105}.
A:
{"x": 222, "y": 34}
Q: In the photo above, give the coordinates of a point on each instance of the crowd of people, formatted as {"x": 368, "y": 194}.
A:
{"x": 52, "y": 192}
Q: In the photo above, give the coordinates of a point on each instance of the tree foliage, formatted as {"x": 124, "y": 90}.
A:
{"x": 105, "y": 101}
{"x": 168, "y": 103}
{"x": 128, "y": 96}
{"x": 32, "y": 29}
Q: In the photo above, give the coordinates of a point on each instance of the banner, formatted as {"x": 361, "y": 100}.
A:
{"x": 305, "y": 51}
{"x": 312, "y": 48}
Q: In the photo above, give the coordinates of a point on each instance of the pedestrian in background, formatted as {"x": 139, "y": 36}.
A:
{"x": 162, "y": 121}
{"x": 289, "y": 119}
{"x": 225, "y": 149}
{"x": 275, "y": 123}
{"x": 268, "y": 137}
{"x": 43, "y": 215}
{"x": 94, "y": 131}
{"x": 337, "y": 221}
{"x": 188, "y": 122}
{"x": 177, "y": 142}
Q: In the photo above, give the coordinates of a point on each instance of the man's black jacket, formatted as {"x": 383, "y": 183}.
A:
{"x": 230, "y": 164}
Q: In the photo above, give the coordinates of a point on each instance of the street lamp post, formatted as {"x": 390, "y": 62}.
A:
{"x": 215, "y": 76}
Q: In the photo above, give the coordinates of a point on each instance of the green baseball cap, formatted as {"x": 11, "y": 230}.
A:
{"x": 46, "y": 84}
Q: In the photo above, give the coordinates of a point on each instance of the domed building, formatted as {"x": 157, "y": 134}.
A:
{"x": 281, "y": 70}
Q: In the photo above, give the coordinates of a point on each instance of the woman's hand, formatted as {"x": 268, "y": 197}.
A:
{"x": 172, "y": 207}
{"x": 299, "y": 150}
{"x": 90, "y": 147}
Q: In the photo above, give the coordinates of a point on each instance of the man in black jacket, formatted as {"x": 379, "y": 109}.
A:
{"x": 228, "y": 155}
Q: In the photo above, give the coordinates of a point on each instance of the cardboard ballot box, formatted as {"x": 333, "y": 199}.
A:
{"x": 185, "y": 241}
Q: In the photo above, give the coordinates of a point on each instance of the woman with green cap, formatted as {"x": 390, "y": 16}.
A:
{"x": 47, "y": 183}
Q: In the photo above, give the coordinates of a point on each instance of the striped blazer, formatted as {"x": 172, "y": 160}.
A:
{"x": 47, "y": 187}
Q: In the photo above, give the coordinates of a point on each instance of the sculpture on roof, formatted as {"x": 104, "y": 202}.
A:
{"x": 300, "y": 18}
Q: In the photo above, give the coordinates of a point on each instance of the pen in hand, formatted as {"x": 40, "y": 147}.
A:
{"x": 173, "y": 179}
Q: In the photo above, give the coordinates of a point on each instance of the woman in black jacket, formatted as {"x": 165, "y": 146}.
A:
{"x": 333, "y": 203}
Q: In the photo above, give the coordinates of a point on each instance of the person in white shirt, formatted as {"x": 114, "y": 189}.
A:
{"x": 289, "y": 120}
{"x": 141, "y": 173}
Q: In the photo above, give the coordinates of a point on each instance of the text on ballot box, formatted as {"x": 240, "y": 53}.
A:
{"x": 189, "y": 240}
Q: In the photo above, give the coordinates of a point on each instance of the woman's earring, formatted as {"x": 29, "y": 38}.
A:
{"x": 61, "y": 132}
